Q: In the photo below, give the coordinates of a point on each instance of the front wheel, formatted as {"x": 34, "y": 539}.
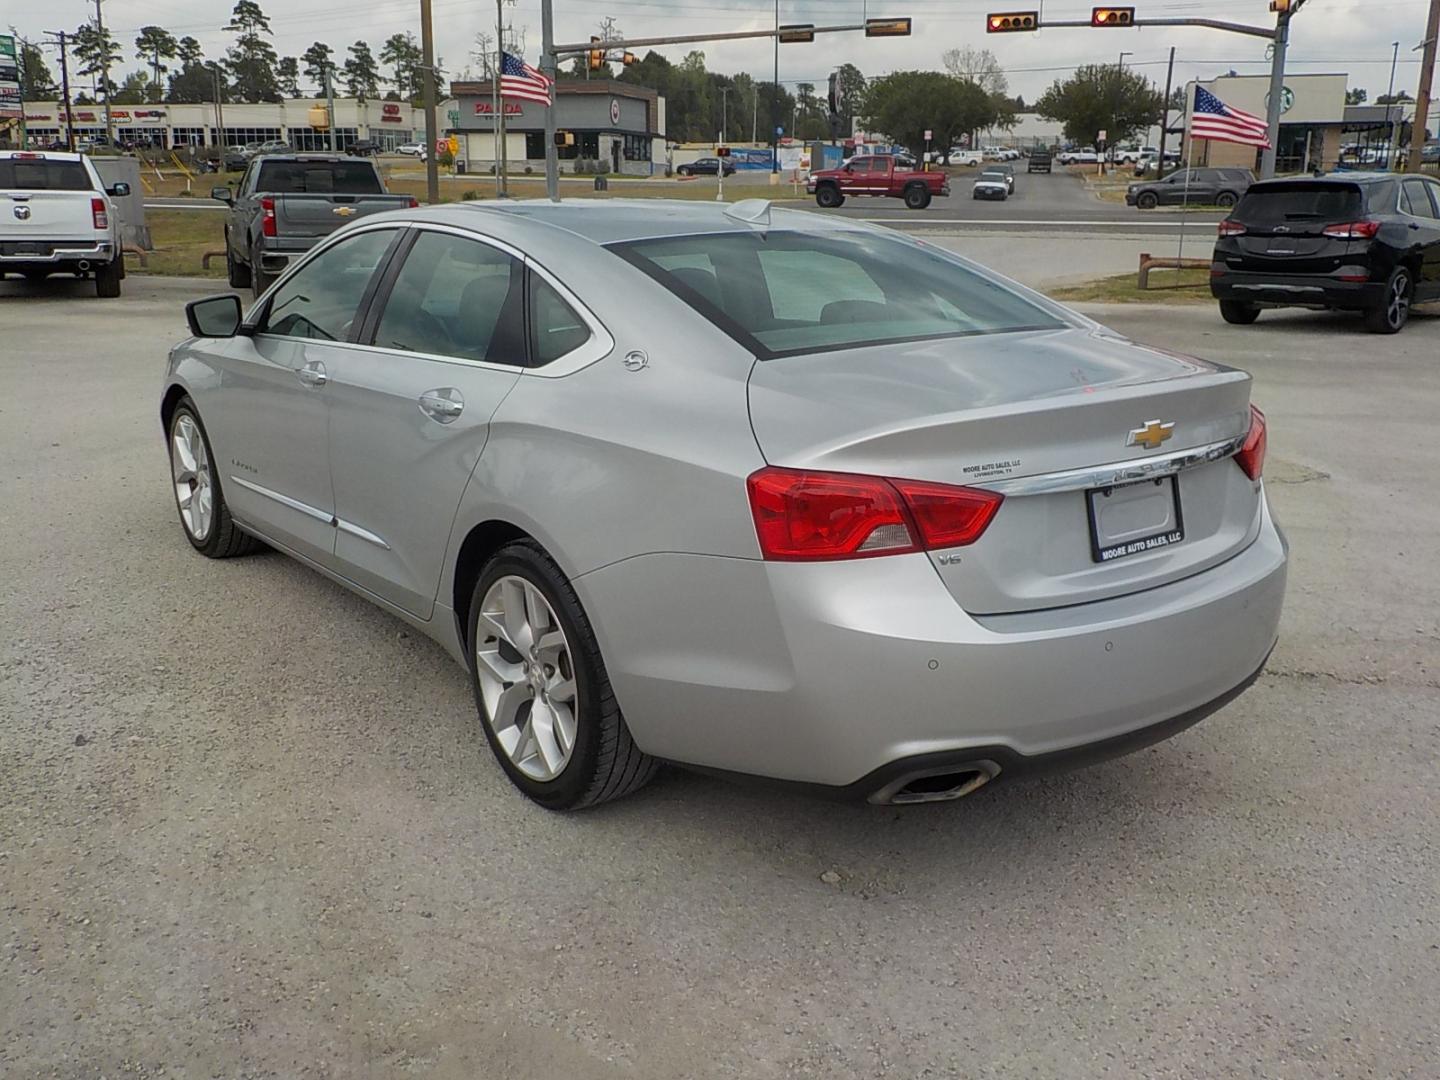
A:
{"x": 544, "y": 697}
{"x": 1392, "y": 311}
{"x": 1238, "y": 313}
{"x": 1147, "y": 200}
{"x": 828, "y": 196}
{"x": 917, "y": 197}
{"x": 203, "y": 513}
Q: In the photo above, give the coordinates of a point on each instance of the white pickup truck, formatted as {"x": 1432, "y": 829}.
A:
{"x": 56, "y": 217}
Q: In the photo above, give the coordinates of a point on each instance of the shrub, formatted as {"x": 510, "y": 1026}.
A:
{"x": 470, "y": 196}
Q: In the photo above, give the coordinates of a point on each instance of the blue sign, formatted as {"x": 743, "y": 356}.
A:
{"x": 779, "y": 131}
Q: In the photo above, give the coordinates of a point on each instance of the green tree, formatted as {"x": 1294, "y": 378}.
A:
{"x": 852, "y": 96}
{"x": 134, "y": 89}
{"x": 154, "y": 45}
{"x": 195, "y": 81}
{"x": 402, "y": 54}
{"x": 362, "y": 74}
{"x": 1101, "y": 97}
{"x": 287, "y": 76}
{"x": 36, "y": 82}
{"x": 905, "y": 104}
{"x": 776, "y": 107}
{"x": 95, "y": 52}
{"x": 1356, "y": 96}
{"x": 318, "y": 59}
{"x": 188, "y": 50}
{"x": 810, "y": 120}
{"x": 252, "y": 58}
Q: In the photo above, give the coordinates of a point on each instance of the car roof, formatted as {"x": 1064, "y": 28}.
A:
{"x": 1329, "y": 179}
{"x": 610, "y": 221}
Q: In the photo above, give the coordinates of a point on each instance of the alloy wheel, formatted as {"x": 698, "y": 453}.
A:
{"x": 527, "y": 677}
{"x": 194, "y": 484}
{"x": 1397, "y": 304}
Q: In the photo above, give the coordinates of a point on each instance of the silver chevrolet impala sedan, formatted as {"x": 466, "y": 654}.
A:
{"x": 756, "y": 491}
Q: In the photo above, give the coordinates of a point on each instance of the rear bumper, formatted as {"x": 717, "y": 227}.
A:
{"x": 56, "y": 252}
{"x": 845, "y": 675}
{"x": 277, "y": 252}
{"x": 1296, "y": 290}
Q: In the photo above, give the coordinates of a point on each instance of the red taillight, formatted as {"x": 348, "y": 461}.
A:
{"x": 1231, "y": 228}
{"x": 98, "y": 214}
{"x": 1251, "y": 457}
{"x": 1353, "y": 230}
{"x": 267, "y": 219}
{"x": 821, "y": 515}
{"x": 413, "y": 203}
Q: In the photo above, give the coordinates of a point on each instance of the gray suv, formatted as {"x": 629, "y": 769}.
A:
{"x": 1196, "y": 187}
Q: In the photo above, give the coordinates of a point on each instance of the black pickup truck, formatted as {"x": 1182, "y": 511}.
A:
{"x": 286, "y": 203}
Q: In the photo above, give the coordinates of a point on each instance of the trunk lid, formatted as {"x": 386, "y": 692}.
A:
{"x": 1285, "y": 227}
{"x": 320, "y": 215}
{"x": 992, "y": 410}
{"x": 53, "y": 215}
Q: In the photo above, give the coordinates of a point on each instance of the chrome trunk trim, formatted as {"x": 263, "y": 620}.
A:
{"x": 1121, "y": 472}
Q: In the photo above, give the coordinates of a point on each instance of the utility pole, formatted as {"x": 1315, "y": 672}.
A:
{"x": 1277, "y": 85}
{"x": 1423, "y": 94}
{"x": 1165, "y": 114}
{"x": 220, "y": 109}
{"x": 61, "y": 39}
{"x": 501, "y": 164}
{"x": 724, "y": 101}
{"x": 547, "y": 65}
{"x": 330, "y": 101}
{"x": 774, "y": 103}
{"x": 1394, "y": 152}
{"x": 427, "y": 58}
{"x": 104, "y": 73}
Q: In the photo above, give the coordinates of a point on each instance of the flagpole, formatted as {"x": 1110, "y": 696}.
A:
{"x": 1189, "y": 168}
{"x": 495, "y": 127}
{"x": 502, "y": 186}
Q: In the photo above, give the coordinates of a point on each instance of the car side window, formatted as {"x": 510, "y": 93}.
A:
{"x": 456, "y": 297}
{"x": 321, "y": 299}
{"x": 555, "y": 328}
{"x": 1415, "y": 199}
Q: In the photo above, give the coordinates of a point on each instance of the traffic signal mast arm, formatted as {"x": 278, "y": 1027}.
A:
{"x": 872, "y": 28}
{"x": 1210, "y": 24}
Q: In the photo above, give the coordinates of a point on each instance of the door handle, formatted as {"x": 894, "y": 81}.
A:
{"x": 442, "y": 405}
{"x": 313, "y": 374}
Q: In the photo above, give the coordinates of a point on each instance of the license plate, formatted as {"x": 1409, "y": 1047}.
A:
{"x": 1131, "y": 519}
{"x": 24, "y": 248}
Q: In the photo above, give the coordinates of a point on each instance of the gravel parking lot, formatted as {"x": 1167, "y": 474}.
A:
{"x": 249, "y": 827}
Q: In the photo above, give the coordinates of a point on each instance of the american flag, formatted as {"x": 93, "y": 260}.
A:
{"x": 519, "y": 80}
{"x": 1213, "y": 119}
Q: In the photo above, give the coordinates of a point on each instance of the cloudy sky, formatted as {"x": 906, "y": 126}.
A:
{"x": 1353, "y": 36}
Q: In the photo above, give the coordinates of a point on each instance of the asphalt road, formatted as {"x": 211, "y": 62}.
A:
{"x": 248, "y": 827}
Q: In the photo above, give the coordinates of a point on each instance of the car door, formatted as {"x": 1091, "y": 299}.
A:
{"x": 411, "y": 409}
{"x": 1420, "y": 203}
{"x": 274, "y": 423}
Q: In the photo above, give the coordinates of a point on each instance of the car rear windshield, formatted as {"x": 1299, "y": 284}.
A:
{"x": 318, "y": 178}
{"x": 1276, "y": 204}
{"x": 782, "y": 293}
{"x": 37, "y": 175}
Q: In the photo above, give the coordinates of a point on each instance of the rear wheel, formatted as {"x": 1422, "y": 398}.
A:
{"x": 917, "y": 196}
{"x": 259, "y": 280}
{"x": 107, "y": 278}
{"x": 239, "y": 276}
{"x": 1238, "y": 313}
{"x": 1226, "y": 199}
{"x": 1393, "y": 310}
{"x": 1147, "y": 200}
{"x": 828, "y": 196}
{"x": 544, "y": 697}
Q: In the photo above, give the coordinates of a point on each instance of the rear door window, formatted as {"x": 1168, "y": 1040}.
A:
{"x": 555, "y": 328}
{"x": 1415, "y": 199}
{"x": 40, "y": 175}
{"x": 456, "y": 297}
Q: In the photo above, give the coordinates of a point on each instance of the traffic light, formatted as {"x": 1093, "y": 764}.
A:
{"x": 797, "y": 33}
{"x": 1112, "y": 16}
{"x": 564, "y": 138}
{"x": 628, "y": 58}
{"x": 722, "y": 151}
{"x": 1012, "y": 22}
{"x": 887, "y": 27}
{"x": 597, "y": 56}
{"x": 1280, "y": 6}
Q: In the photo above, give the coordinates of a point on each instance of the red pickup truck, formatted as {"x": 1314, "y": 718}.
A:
{"x": 876, "y": 175}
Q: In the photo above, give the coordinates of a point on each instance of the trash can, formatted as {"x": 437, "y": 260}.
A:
{"x": 459, "y": 166}
{"x": 602, "y": 184}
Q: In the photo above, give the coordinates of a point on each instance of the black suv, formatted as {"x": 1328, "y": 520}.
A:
{"x": 706, "y": 166}
{"x": 1039, "y": 161}
{"x": 1366, "y": 242}
{"x": 1195, "y": 187}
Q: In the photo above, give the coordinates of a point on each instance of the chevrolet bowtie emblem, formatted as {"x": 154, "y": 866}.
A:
{"x": 343, "y": 211}
{"x": 1151, "y": 435}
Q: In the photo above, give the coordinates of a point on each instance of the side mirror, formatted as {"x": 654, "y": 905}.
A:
{"x": 221, "y": 193}
{"x": 119, "y": 191}
{"x": 214, "y": 316}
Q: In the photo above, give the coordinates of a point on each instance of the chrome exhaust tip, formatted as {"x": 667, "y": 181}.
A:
{"x": 944, "y": 784}
{"x": 83, "y": 265}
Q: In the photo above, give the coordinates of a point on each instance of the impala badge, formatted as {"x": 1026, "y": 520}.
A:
{"x": 1151, "y": 435}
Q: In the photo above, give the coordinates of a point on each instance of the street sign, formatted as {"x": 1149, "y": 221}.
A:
{"x": 779, "y": 131}
{"x": 1103, "y": 134}
{"x": 929, "y": 134}
{"x": 796, "y": 33}
{"x": 442, "y": 145}
{"x": 10, "y": 104}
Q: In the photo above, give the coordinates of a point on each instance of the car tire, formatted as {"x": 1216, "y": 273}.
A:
{"x": 683, "y": 170}
{"x": 1147, "y": 200}
{"x": 1391, "y": 314}
{"x": 511, "y": 677}
{"x": 1226, "y": 199}
{"x": 208, "y": 526}
{"x": 828, "y": 196}
{"x": 917, "y": 197}
{"x": 107, "y": 278}
{"x": 259, "y": 280}
{"x": 235, "y": 273}
{"x": 1238, "y": 313}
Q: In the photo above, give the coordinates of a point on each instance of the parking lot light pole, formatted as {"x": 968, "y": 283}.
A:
{"x": 1394, "y": 151}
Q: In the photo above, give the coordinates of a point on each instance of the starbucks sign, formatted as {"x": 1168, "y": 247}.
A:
{"x": 1287, "y": 100}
